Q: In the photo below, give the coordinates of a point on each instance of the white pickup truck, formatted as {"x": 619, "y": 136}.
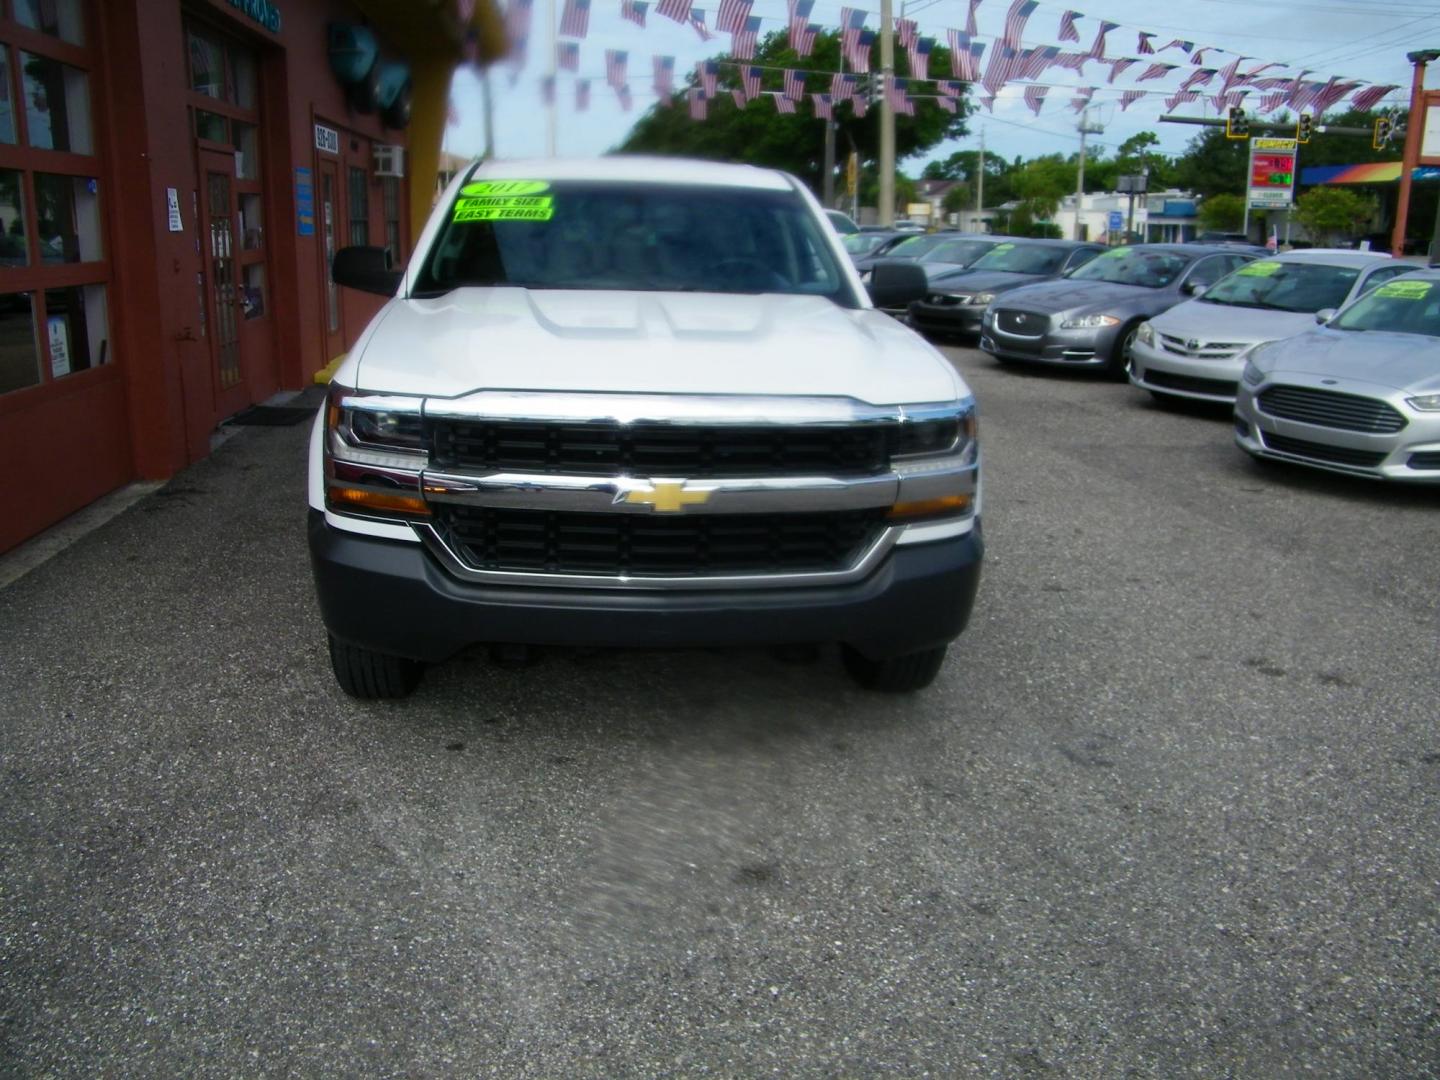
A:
{"x": 639, "y": 402}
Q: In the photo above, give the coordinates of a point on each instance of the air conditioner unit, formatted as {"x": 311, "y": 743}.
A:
{"x": 389, "y": 160}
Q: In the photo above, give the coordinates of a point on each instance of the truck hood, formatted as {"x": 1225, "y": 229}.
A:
{"x": 1400, "y": 361}
{"x": 645, "y": 342}
{"x": 1231, "y": 323}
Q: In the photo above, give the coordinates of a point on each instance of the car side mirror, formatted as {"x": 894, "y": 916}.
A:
{"x": 365, "y": 268}
{"x": 895, "y": 284}
{"x": 1196, "y": 288}
{"x": 1324, "y": 315}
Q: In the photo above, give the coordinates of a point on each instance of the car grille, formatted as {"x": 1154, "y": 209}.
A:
{"x": 1218, "y": 387}
{"x": 1326, "y": 408}
{"x": 946, "y": 300}
{"x": 1425, "y": 459}
{"x": 1335, "y": 455}
{"x": 604, "y": 449}
{"x": 645, "y": 545}
{"x": 1193, "y": 349}
{"x": 1021, "y": 322}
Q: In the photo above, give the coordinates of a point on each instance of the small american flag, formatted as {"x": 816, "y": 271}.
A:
{"x": 860, "y": 105}
{"x": 1129, "y": 97}
{"x": 1072, "y": 61}
{"x": 1097, "y": 50}
{"x": 799, "y": 19}
{"x": 1035, "y": 61}
{"x": 1035, "y": 97}
{"x": 622, "y": 94}
{"x": 1368, "y": 98}
{"x": 842, "y": 87}
{"x": 1334, "y": 93}
{"x": 1015, "y": 20}
{"x": 634, "y": 11}
{"x": 697, "y": 23}
{"x": 750, "y": 82}
{"x": 1181, "y": 97}
{"x": 679, "y": 10}
{"x": 744, "y": 40}
{"x": 582, "y": 95}
{"x": 732, "y": 15}
{"x": 1272, "y": 83}
{"x": 1080, "y": 100}
{"x": 738, "y": 96}
{"x": 1228, "y": 74}
{"x": 907, "y": 31}
{"x": 783, "y": 104}
{"x": 517, "y": 19}
{"x": 1144, "y": 48}
{"x": 1198, "y": 78}
{"x": 861, "y": 60}
{"x": 852, "y": 21}
{"x": 794, "y": 84}
{"x": 823, "y": 108}
{"x": 575, "y": 19}
{"x": 1270, "y": 102}
{"x": 1067, "y": 26}
{"x": 1119, "y": 67}
{"x": 950, "y": 89}
{"x": 1249, "y": 76}
{"x": 999, "y": 71}
{"x": 895, "y": 93}
{"x": 970, "y": 27}
{"x": 664, "y": 68}
{"x": 567, "y": 55}
{"x": 616, "y": 61}
{"x": 698, "y": 105}
{"x": 706, "y": 72}
{"x": 1198, "y": 56}
{"x": 920, "y": 58}
{"x": 964, "y": 57}
{"x": 948, "y": 104}
{"x": 1179, "y": 43}
{"x": 988, "y": 100}
{"x": 802, "y": 37}
{"x": 1156, "y": 71}
{"x": 547, "y": 89}
{"x": 1223, "y": 101}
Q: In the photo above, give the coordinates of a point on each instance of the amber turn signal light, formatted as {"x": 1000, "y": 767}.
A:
{"x": 360, "y": 499}
{"x": 947, "y": 504}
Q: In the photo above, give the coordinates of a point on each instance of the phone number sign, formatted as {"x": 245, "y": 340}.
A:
{"x": 1272, "y": 174}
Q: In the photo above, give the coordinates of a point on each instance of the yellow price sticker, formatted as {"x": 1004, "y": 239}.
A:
{"x": 1259, "y": 269}
{"x": 1405, "y": 290}
{"x": 1002, "y": 247}
{"x": 505, "y": 187}
{"x": 504, "y": 213}
{"x": 529, "y": 202}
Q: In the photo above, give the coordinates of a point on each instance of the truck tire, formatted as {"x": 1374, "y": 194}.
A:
{"x": 371, "y": 676}
{"x": 894, "y": 674}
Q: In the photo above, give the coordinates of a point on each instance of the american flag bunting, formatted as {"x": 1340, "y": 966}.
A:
{"x": 664, "y": 69}
{"x": 1181, "y": 97}
{"x": 802, "y": 36}
{"x": 946, "y": 103}
{"x": 622, "y": 94}
{"x": 731, "y": 15}
{"x": 567, "y": 55}
{"x": 697, "y": 23}
{"x": 1067, "y": 26}
{"x": 794, "y": 82}
{"x": 783, "y": 104}
{"x": 1035, "y": 97}
{"x": 738, "y": 96}
{"x": 1015, "y": 20}
{"x": 1072, "y": 61}
{"x": 1000, "y": 69}
{"x": 1198, "y": 78}
{"x": 859, "y": 104}
{"x": 706, "y": 72}
{"x": 1097, "y": 50}
{"x": 852, "y": 23}
{"x": 1179, "y": 43}
{"x": 907, "y": 31}
{"x": 744, "y": 40}
{"x": 1270, "y": 102}
{"x": 1119, "y": 67}
{"x": 1080, "y": 100}
{"x": 920, "y": 58}
{"x": 1144, "y": 48}
{"x": 988, "y": 100}
{"x": 582, "y": 95}
{"x": 1129, "y": 97}
{"x": 1156, "y": 71}
{"x": 634, "y": 11}
{"x": 616, "y": 61}
{"x": 861, "y": 60}
{"x": 949, "y": 89}
{"x": 575, "y": 19}
{"x": 679, "y": 10}
{"x": 895, "y": 94}
{"x": 1368, "y": 98}
{"x": 698, "y": 105}
{"x": 1033, "y": 62}
{"x": 970, "y": 27}
{"x": 547, "y": 89}
{"x": 1198, "y": 56}
{"x": 824, "y": 110}
{"x": 842, "y": 87}
{"x": 750, "y": 82}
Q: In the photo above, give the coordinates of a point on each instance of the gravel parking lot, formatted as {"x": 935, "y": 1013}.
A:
{"x": 1172, "y": 808}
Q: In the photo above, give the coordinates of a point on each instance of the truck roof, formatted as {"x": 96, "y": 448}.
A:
{"x": 636, "y": 169}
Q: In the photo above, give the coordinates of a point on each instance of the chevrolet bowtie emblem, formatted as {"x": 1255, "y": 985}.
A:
{"x": 665, "y": 497}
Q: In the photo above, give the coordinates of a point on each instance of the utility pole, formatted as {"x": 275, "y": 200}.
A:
{"x": 489, "y": 113}
{"x": 1414, "y": 132}
{"x": 1085, "y": 128}
{"x": 980, "y": 178}
{"x": 887, "y": 115}
{"x": 827, "y": 181}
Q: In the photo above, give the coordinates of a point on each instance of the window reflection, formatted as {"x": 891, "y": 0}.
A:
{"x": 75, "y": 329}
{"x": 19, "y": 347}
{"x": 60, "y": 18}
{"x": 67, "y": 212}
{"x": 207, "y": 66}
{"x": 57, "y": 105}
{"x": 7, "y": 107}
{"x": 13, "y": 249}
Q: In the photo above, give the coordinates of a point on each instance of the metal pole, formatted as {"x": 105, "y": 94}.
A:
{"x": 1080, "y": 174}
{"x": 554, "y": 90}
{"x": 887, "y": 115}
{"x": 1414, "y": 131}
{"x": 489, "y": 113}
{"x": 980, "y": 182}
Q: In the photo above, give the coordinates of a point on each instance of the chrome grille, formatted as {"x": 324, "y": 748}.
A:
{"x": 1195, "y": 349}
{"x": 1024, "y": 323}
{"x": 643, "y": 545}
{"x": 1327, "y": 408}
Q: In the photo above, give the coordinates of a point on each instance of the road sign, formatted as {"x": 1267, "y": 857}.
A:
{"x": 1117, "y": 220}
{"x": 1272, "y": 174}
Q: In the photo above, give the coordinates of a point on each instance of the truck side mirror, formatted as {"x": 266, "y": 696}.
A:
{"x": 895, "y": 284}
{"x": 365, "y": 268}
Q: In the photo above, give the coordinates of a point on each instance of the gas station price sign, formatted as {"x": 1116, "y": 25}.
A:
{"x": 1272, "y": 173}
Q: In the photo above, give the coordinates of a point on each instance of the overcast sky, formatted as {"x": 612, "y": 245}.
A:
{"x": 1355, "y": 39}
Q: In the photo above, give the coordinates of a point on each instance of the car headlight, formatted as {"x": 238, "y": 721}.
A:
{"x": 980, "y": 299}
{"x": 374, "y": 453}
{"x": 1089, "y": 322}
{"x": 1425, "y": 402}
{"x": 1146, "y": 334}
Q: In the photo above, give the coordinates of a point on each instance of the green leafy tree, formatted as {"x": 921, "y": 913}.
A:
{"x": 1213, "y": 164}
{"x": 1332, "y": 213}
{"x": 958, "y": 198}
{"x": 757, "y": 134}
{"x": 1042, "y": 183}
{"x": 964, "y": 165}
{"x": 1222, "y": 213}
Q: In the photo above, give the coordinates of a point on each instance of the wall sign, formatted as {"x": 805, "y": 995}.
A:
{"x": 327, "y": 139}
{"x": 1272, "y": 173}
{"x": 304, "y": 203}
{"x": 262, "y": 11}
{"x": 172, "y": 208}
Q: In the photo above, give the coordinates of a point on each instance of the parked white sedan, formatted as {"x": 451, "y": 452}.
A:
{"x": 1194, "y": 349}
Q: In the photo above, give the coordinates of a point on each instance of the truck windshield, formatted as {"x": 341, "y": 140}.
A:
{"x": 596, "y": 235}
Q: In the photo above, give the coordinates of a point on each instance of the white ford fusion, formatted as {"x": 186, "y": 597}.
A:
{"x": 1358, "y": 395}
{"x": 1194, "y": 349}
{"x": 639, "y": 402}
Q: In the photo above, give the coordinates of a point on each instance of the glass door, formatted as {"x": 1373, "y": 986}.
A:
{"x": 224, "y": 294}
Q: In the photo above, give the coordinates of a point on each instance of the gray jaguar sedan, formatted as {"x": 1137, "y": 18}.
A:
{"x": 1359, "y": 394}
{"x": 1089, "y": 317}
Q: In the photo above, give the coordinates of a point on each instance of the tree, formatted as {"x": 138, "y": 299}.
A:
{"x": 1213, "y": 164}
{"x": 1222, "y": 213}
{"x": 757, "y": 134}
{"x": 1331, "y": 212}
{"x": 958, "y": 198}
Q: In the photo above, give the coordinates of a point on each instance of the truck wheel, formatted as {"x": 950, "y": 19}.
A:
{"x": 913, "y": 671}
{"x": 362, "y": 673}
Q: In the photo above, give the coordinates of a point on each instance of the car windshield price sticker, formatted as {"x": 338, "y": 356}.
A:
{"x": 1003, "y": 247}
{"x": 1259, "y": 269}
{"x": 1405, "y": 290}
{"x": 505, "y": 187}
{"x": 504, "y": 200}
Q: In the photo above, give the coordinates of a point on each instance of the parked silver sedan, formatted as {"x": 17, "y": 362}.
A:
{"x": 1359, "y": 394}
{"x": 1192, "y": 351}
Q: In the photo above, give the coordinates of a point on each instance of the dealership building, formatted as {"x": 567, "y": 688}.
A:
{"x": 174, "y": 177}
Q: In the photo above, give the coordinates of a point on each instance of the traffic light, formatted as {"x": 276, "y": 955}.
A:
{"x": 1237, "y": 124}
{"x": 1305, "y": 128}
{"x": 1383, "y": 129}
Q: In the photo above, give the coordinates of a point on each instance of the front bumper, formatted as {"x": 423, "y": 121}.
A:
{"x": 946, "y": 318}
{"x": 1411, "y": 455}
{"x": 1084, "y": 347}
{"x": 1162, "y": 372}
{"x": 394, "y": 597}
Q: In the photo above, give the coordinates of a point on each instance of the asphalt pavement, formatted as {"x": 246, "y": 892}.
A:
{"x": 1172, "y": 808}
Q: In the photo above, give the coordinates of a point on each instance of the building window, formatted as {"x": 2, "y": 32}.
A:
{"x": 359, "y": 207}
{"x": 390, "y": 192}
{"x": 54, "y": 264}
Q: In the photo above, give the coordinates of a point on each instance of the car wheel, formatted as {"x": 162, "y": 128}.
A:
{"x": 369, "y": 675}
{"x": 1119, "y": 364}
{"x": 894, "y": 674}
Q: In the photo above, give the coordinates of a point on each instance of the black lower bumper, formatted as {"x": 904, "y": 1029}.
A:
{"x": 392, "y": 597}
{"x": 956, "y": 319}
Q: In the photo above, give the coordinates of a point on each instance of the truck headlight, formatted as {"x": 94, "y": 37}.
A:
{"x": 374, "y": 453}
{"x": 1146, "y": 334}
{"x": 1089, "y": 322}
{"x": 927, "y": 436}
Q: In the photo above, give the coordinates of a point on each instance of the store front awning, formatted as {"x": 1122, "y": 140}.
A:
{"x": 1379, "y": 172}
